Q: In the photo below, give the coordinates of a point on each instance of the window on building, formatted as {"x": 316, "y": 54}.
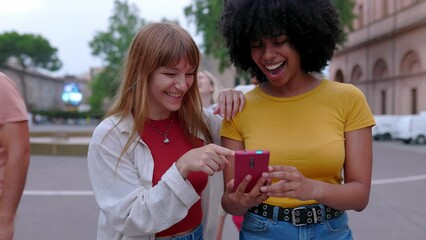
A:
{"x": 383, "y": 102}
{"x": 339, "y": 76}
{"x": 413, "y": 101}
{"x": 360, "y": 16}
{"x": 380, "y": 70}
{"x": 356, "y": 74}
{"x": 384, "y": 8}
{"x": 410, "y": 63}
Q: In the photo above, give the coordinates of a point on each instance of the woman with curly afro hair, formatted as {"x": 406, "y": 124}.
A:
{"x": 318, "y": 131}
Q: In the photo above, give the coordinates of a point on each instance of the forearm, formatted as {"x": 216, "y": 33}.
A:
{"x": 348, "y": 196}
{"x": 14, "y": 182}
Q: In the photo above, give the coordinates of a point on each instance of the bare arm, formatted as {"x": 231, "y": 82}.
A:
{"x": 352, "y": 195}
{"x": 355, "y": 193}
{"x": 15, "y": 139}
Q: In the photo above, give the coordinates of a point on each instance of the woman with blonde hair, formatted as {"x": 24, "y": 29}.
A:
{"x": 209, "y": 87}
{"x": 150, "y": 159}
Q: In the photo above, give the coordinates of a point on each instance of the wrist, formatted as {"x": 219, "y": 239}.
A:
{"x": 182, "y": 169}
{"x": 232, "y": 207}
{"x": 316, "y": 190}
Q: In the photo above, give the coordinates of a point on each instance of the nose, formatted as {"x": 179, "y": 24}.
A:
{"x": 180, "y": 83}
{"x": 268, "y": 54}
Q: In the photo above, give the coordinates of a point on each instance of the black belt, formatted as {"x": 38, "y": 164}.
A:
{"x": 297, "y": 216}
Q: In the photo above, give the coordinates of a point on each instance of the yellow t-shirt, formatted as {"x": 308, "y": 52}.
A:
{"x": 305, "y": 131}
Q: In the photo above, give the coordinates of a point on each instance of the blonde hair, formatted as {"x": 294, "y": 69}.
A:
{"x": 217, "y": 85}
{"x": 157, "y": 45}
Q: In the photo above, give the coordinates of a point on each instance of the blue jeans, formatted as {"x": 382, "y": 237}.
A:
{"x": 256, "y": 227}
{"x": 197, "y": 234}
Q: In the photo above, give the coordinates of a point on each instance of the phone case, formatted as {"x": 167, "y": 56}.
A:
{"x": 253, "y": 162}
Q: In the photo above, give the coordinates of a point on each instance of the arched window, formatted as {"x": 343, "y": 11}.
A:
{"x": 380, "y": 70}
{"x": 410, "y": 63}
{"x": 356, "y": 74}
{"x": 339, "y": 76}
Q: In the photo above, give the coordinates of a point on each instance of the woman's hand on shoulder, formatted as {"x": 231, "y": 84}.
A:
{"x": 209, "y": 159}
{"x": 230, "y": 102}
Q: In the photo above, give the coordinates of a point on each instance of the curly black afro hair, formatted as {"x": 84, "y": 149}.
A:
{"x": 312, "y": 27}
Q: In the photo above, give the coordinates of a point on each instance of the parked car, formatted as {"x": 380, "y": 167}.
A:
{"x": 385, "y": 128}
{"x": 404, "y": 128}
{"x": 418, "y": 129}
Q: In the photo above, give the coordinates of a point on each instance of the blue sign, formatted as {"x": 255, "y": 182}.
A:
{"x": 72, "y": 94}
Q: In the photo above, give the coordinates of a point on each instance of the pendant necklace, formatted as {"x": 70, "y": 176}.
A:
{"x": 166, "y": 139}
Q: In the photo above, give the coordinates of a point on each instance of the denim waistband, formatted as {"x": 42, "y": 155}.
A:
{"x": 197, "y": 234}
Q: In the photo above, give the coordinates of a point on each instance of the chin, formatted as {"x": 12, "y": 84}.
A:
{"x": 174, "y": 108}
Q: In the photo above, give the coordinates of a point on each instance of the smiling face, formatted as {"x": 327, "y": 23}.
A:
{"x": 167, "y": 88}
{"x": 206, "y": 88}
{"x": 277, "y": 59}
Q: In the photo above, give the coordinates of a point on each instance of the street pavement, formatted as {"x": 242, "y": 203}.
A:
{"x": 58, "y": 202}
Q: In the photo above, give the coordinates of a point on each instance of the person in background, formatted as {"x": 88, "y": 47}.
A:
{"x": 150, "y": 159}
{"x": 209, "y": 87}
{"x": 318, "y": 131}
{"x": 14, "y": 154}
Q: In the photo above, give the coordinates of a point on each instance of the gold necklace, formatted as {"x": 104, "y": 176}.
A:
{"x": 166, "y": 139}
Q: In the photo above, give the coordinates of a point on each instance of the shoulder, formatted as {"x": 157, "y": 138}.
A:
{"x": 345, "y": 89}
{"x": 214, "y": 121}
{"x": 112, "y": 126}
{"x": 12, "y": 106}
{"x": 6, "y": 84}
{"x": 210, "y": 116}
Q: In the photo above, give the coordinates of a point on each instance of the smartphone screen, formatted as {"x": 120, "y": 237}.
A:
{"x": 253, "y": 162}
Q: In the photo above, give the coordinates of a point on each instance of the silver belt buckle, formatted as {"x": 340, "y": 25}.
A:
{"x": 295, "y": 220}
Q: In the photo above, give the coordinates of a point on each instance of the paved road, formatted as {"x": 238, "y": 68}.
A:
{"x": 58, "y": 203}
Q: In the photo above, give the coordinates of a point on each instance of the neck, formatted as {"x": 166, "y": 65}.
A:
{"x": 293, "y": 88}
{"x": 160, "y": 116}
{"x": 206, "y": 101}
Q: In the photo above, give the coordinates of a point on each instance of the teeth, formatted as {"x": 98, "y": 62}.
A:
{"x": 272, "y": 67}
{"x": 174, "y": 94}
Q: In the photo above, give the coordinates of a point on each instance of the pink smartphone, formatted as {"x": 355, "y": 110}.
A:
{"x": 253, "y": 162}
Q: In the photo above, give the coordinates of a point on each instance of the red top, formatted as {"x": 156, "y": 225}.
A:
{"x": 164, "y": 156}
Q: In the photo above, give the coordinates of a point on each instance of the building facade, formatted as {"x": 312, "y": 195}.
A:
{"x": 385, "y": 55}
{"x": 42, "y": 92}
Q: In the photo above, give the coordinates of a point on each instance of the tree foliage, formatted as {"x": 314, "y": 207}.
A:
{"x": 29, "y": 50}
{"x": 111, "y": 46}
{"x": 206, "y": 14}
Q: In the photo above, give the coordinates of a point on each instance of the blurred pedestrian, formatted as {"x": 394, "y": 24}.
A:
{"x": 317, "y": 131}
{"x": 14, "y": 154}
{"x": 150, "y": 159}
{"x": 209, "y": 87}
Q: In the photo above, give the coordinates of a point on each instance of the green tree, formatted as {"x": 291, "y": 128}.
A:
{"x": 111, "y": 46}
{"x": 206, "y": 14}
{"x": 30, "y": 51}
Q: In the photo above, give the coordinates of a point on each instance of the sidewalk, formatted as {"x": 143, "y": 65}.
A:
{"x": 60, "y": 139}
{"x": 61, "y": 128}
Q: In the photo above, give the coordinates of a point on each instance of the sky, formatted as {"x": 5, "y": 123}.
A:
{"x": 69, "y": 26}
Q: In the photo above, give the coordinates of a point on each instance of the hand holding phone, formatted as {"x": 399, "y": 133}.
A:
{"x": 253, "y": 162}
